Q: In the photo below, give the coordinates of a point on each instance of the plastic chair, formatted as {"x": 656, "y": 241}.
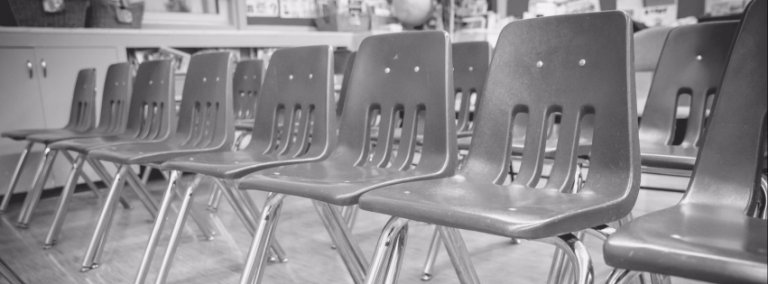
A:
{"x": 246, "y": 89}
{"x": 205, "y": 124}
{"x": 295, "y": 122}
{"x": 470, "y": 66}
{"x": 708, "y": 235}
{"x": 116, "y": 95}
{"x": 115, "y": 101}
{"x": 81, "y": 120}
{"x": 403, "y": 73}
{"x": 648, "y": 45}
{"x": 578, "y": 65}
{"x": 691, "y": 66}
{"x": 149, "y": 118}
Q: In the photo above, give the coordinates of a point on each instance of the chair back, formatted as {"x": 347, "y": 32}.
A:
{"x": 82, "y": 113}
{"x": 152, "y": 115}
{"x": 648, "y": 45}
{"x": 247, "y": 84}
{"x": 206, "y": 119}
{"x": 116, "y": 98}
{"x": 470, "y": 66}
{"x": 690, "y": 69}
{"x": 577, "y": 66}
{"x": 729, "y": 163}
{"x": 295, "y": 115}
{"x": 345, "y": 83}
{"x": 400, "y": 82}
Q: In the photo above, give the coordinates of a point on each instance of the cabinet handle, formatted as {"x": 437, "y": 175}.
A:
{"x": 30, "y": 70}
{"x": 45, "y": 68}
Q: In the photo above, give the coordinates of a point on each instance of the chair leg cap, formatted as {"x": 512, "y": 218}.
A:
{"x": 426, "y": 277}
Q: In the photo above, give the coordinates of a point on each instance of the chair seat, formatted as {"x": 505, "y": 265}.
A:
{"x": 512, "y": 211}
{"x": 671, "y": 157}
{"x": 83, "y": 145}
{"x": 52, "y": 137}
{"x": 329, "y": 181}
{"x": 244, "y": 125}
{"x": 145, "y": 152}
{"x": 21, "y": 134}
{"x": 228, "y": 165}
{"x": 704, "y": 242}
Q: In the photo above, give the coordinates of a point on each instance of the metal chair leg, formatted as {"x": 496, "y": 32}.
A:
{"x": 7, "y": 273}
{"x": 396, "y": 257}
{"x": 247, "y": 216}
{"x": 61, "y": 209}
{"x": 764, "y": 188}
{"x": 457, "y": 252}
{"x": 575, "y": 250}
{"x": 102, "y": 172}
{"x": 277, "y": 253}
{"x": 434, "y": 249}
{"x": 351, "y": 216}
{"x": 660, "y": 279}
{"x": 556, "y": 268}
{"x": 619, "y": 276}
{"x": 33, "y": 196}
{"x": 254, "y": 264}
{"x": 170, "y": 250}
{"x": 15, "y": 177}
{"x": 214, "y": 199}
{"x": 198, "y": 217}
{"x": 157, "y": 229}
{"x": 84, "y": 177}
{"x": 145, "y": 174}
{"x": 395, "y": 229}
{"x": 348, "y": 247}
{"x": 102, "y": 225}
{"x": 141, "y": 191}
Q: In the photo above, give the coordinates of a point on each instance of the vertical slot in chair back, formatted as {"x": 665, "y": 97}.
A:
{"x": 292, "y": 118}
{"x": 82, "y": 113}
{"x": 205, "y": 117}
{"x": 246, "y": 87}
{"x": 577, "y": 67}
{"x": 395, "y": 78}
{"x": 727, "y": 169}
{"x": 116, "y": 98}
{"x": 152, "y": 114}
{"x": 470, "y": 66}
{"x": 689, "y": 72}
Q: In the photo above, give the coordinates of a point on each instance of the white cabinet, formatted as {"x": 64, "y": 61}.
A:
{"x": 20, "y": 107}
{"x": 36, "y": 88}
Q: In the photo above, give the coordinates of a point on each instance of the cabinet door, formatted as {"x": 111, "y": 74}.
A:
{"x": 19, "y": 95}
{"x": 20, "y": 107}
{"x": 58, "y": 69}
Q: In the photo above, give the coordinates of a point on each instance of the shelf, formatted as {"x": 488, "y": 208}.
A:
{"x": 125, "y": 38}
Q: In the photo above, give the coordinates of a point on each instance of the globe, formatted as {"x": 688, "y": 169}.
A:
{"x": 412, "y": 12}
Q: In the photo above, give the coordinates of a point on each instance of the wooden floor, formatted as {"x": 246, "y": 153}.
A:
{"x": 311, "y": 260}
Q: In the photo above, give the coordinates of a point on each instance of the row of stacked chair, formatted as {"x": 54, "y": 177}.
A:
{"x": 395, "y": 147}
